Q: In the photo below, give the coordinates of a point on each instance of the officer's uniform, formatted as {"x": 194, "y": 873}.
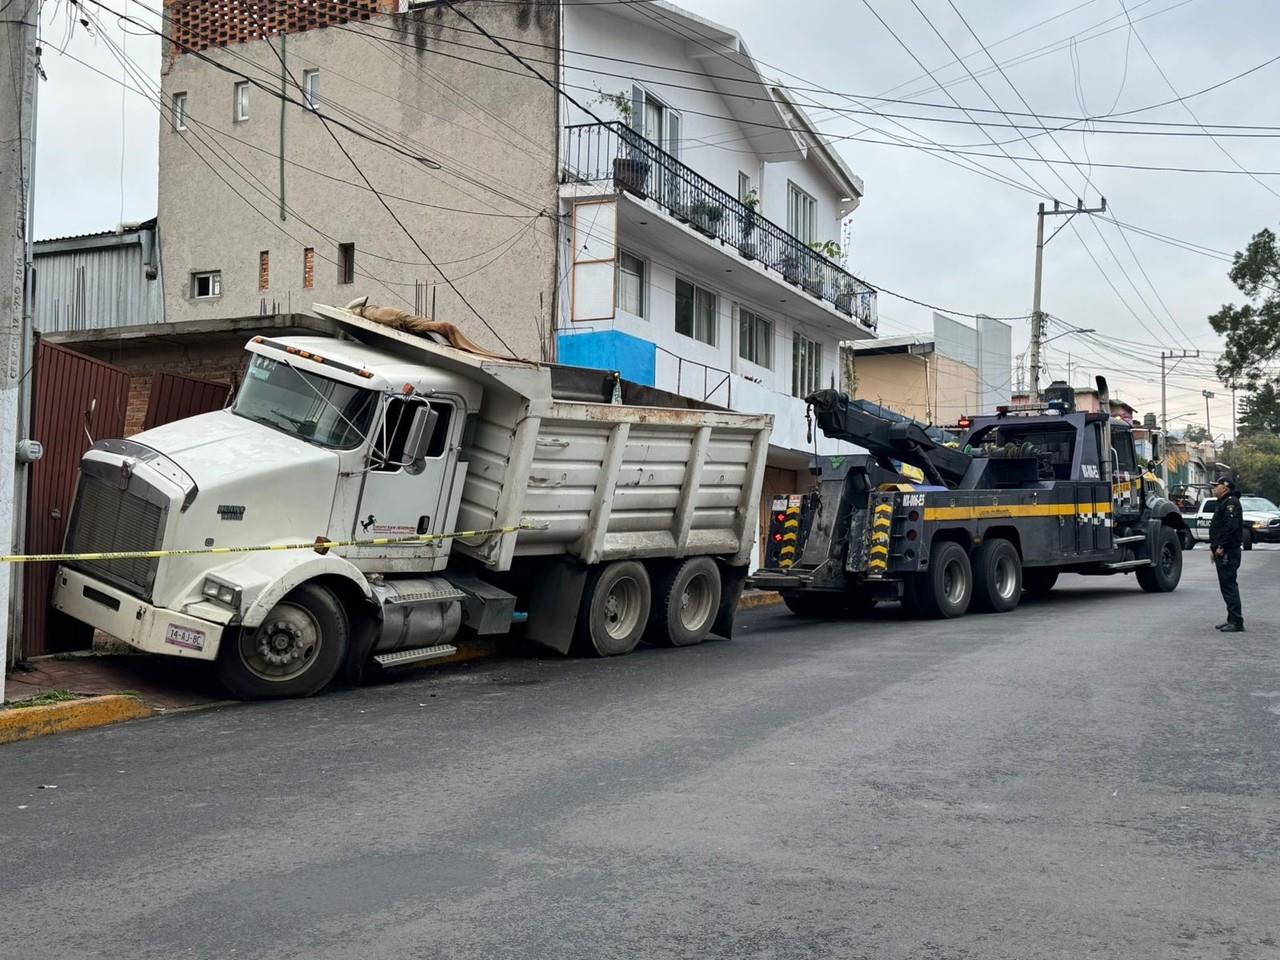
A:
{"x": 1225, "y": 532}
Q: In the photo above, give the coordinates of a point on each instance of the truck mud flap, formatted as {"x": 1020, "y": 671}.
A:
{"x": 732, "y": 580}
{"x": 553, "y": 605}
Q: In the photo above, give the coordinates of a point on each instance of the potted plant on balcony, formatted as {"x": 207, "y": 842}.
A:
{"x": 845, "y": 294}
{"x": 630, "y": 173}
{"x": 706, "y": 216}
{"x": 813, "y": 283}
{"x": 747, "y": 246}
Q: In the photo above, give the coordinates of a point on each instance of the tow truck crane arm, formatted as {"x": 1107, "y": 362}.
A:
{"x": 887, "y": 441}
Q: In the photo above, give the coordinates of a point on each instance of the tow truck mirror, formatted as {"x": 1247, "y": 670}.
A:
{"x": 420, "y": 433}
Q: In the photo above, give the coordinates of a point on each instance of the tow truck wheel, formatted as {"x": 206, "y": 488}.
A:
{"x": 944, "y": 591}
{"x": 615, "y": 609}
{"x": 1039, "y": 580}
{"x": 685, "y": 603}
{"x": 295, "y": 652}
{"x": 1166, "y": 566}
{"x": 1188, "y": 541}
{"x": 816, "y": 606}
{"x": 997, "y": 576}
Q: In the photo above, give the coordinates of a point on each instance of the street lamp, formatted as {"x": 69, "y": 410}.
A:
{"x": 1065, "y": 333}
{"x": 1208, "y": 395}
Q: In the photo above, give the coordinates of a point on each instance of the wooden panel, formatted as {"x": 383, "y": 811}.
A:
{"x": 175, "y": 397}
{"x": 67, "y": 384}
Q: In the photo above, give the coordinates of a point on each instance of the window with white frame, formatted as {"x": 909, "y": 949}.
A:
{"x": 240, "y": 101}
{"x": 755, "y": 338}
{"x": 206, "y": 285}
{"x": 802, "y": 214}
{"x": 179, "y": 111}
{"x": 311, "y": 89}
{"x": 696, "y": 312}
{"x": 806, "y": 366}
{"x": 744, "y": 186}
{"x": 631, "y": 283}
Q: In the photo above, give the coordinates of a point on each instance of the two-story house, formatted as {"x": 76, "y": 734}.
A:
{"x": 702, "y": 221}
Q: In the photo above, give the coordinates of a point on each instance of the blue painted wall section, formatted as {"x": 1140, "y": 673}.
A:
{"x": 634, "y": 358}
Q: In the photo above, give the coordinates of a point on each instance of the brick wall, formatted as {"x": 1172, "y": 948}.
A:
{"x": 216, "y": 362}
{"x": 200, "y": 24}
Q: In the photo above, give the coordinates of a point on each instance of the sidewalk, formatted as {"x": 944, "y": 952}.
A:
{"x": 163, "y": 683}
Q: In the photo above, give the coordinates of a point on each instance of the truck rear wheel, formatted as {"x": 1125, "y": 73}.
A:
{"x": 997, "y": 576}
{"x": 294, "y": 652}
{"x": 615, "y": 609}
{"x": 1039, "y": 580}
{"x": 816, "y": 605}
{"x": 945, "y": 589}
{"x": 685, "y": 603}
{"x": 1166, "y": 566}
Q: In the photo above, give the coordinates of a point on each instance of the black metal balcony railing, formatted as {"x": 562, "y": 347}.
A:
{"x": 614, "y": 152}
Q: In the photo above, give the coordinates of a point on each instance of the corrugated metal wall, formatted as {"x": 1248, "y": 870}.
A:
{"x": 66, "y": 386}
{"x": 175, "y": 397}
{"x": 89, "y": 286}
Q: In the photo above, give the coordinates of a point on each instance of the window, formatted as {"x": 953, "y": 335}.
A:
{"x": 744, "y": 186}
{"x": 389, "y": 442}
{"x": 308, "y": 268}
{"x": 696, "y": 312}
{"x": 264, "y": 270}
{"x": 311, "y": 88}
{"x": 755, "y": 338}
{"x": 806, "y": 366}
{"x": 802, "y": 214}
{"x": 179, "y": 111}
{"x": 207, "y": 285}
{"x": 346, "y": 263}
{"x": 240, "y": 101}
{"x": 631, "y": 283}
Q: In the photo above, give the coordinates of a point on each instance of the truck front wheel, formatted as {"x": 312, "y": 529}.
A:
{"x": 1166, "y": 566}
{"x": 945, "y": 589}
{"x": 615, "y": 609}
{"x": 685, "y": 603}
{"x": 997, "y": 575}
{"x": 294, "y": 652}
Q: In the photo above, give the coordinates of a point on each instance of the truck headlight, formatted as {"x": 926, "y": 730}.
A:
{"x": 224, "y": 593}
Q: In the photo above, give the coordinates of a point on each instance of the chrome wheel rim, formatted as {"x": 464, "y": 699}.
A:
{"x": 954, "y": 581}
{"x": 622, "y": 608}
{"x": 1006, "y": 577}
{"x": 695, "y": 602}
{"x": 285, "y": 646}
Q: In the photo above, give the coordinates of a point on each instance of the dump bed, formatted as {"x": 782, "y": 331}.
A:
{"x": 594, "y": 480}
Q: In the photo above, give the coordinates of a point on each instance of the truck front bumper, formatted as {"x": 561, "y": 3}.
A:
{"x": 142, "y": 625}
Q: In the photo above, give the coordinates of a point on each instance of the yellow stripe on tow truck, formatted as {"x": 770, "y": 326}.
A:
{"x": 1000, "y": 511}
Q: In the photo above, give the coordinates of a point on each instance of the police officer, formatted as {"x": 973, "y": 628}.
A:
{"x": 1225, "y": 532}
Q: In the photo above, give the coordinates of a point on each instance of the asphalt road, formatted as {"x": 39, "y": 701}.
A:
{"x": 1095, "y": 774}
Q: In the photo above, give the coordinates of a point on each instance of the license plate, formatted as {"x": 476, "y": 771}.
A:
{"x": 184, "y": 637}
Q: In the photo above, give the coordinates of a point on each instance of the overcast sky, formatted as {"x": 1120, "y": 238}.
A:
{"x": 926, "y": 227}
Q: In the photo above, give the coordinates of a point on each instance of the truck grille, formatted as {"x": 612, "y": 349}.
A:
{"x": 107, "y": 519}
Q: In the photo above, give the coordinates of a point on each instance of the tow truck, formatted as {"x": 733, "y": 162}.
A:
{"x": 1025, "y": 495}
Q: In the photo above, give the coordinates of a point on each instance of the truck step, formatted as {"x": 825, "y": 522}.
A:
{"x": 415, "y": 655}
{"x": 426, "y": 596}
{"x": 1127, "y": 564}
{"x": 1132, "y": 538}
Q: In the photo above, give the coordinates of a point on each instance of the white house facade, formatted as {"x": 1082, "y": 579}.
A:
{"x": 702, "y": 215}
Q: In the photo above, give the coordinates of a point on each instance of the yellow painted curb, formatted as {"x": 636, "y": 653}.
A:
{"x": 764, "y": 598}
{"x": 25, "y": 723}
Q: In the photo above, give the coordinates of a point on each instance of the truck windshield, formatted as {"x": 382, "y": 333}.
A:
{"x": 314, "y": 409}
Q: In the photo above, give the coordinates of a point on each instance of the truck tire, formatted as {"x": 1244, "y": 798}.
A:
{"x": 816, "y": 606}
{"x": 686, "y": 601}
{"x": 1187, "y": 539}
{"x": 615, "y": 609}
{"x": 945, "y": 589}
{"x": 997, "y": 576}
{"x": 1246, "y": 539}
{"x": 1039, "y": 580}
{"x": 295, "y": 652}
{"x": 1166, "y": 566}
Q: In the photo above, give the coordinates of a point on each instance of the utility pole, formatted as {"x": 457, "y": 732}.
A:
{"x": 1164, "y": 408}
{"x": 1038, "y": 319}
{"x": 18, "y": 22}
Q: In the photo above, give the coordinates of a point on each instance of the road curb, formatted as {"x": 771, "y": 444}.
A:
{"x": 26, "y": 723}
{"x": 760, "y": 598}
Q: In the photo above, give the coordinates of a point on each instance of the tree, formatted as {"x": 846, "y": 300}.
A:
{"x": 1251, "y": 331}
{"x": 1260, "y": 411}
{"x": 1256, "y": 462}
{"x": 1195, "y": 433}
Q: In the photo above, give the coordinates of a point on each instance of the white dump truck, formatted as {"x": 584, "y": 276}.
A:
{"x": 593, "y": 511}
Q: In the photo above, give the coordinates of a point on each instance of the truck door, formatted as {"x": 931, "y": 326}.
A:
{"x": 1125, "y": 486}
{"x": 404, "y": 495}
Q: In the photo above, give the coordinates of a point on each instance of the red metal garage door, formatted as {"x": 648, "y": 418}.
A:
{"x": 76, "y": 397}
{"x": 174, "y": 397}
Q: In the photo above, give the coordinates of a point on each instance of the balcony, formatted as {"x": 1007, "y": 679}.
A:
{"x": 614, "y": 154}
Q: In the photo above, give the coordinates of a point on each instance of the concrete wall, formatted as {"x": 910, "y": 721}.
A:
{"x": 486, "y": 218}
{"x": 898, "y": 381}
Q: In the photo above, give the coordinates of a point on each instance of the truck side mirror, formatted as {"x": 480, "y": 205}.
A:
{"x": 420, "y": 433}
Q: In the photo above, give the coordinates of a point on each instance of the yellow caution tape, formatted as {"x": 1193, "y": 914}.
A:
{"x": 320, "y": 545}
